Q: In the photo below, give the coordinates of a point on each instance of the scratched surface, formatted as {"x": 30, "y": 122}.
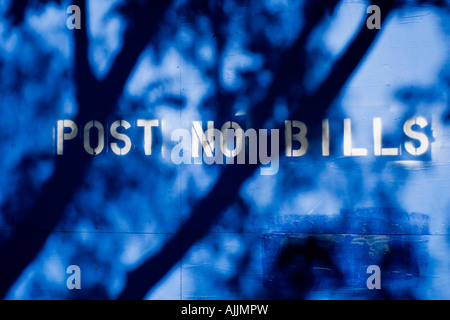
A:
{"x": 142, "y": 226}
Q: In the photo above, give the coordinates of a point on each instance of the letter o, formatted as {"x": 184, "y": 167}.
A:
{"x": 239, "y": 134}
{"x": 87, "y": 137}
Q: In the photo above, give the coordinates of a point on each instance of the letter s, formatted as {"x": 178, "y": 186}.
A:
{"x": 421, "y": 137}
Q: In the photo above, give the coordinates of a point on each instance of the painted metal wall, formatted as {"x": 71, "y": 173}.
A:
{"x": 114, "y": 188}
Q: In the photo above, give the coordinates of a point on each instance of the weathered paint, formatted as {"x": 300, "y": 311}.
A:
{"x": 362, "y": 179}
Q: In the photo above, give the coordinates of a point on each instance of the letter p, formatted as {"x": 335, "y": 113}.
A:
{"x": 61, "y": 136}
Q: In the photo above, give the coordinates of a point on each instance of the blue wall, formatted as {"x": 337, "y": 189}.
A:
{"x": 141, "y": 226}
